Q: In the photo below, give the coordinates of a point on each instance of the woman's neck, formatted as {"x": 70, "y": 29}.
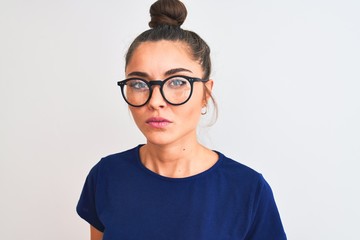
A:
{"x": 177, "y": 161}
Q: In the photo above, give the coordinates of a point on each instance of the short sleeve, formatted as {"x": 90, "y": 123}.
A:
{"x": 87, "y": 207}
{"x": 266, "y": 219}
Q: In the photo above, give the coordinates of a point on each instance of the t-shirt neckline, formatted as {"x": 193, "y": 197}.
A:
{"x": 201, "y": 174}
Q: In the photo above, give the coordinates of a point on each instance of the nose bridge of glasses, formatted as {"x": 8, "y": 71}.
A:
{"x": 156, "y": 97}
{"x": 155, "y": 82}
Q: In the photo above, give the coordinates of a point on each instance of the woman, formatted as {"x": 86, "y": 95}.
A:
{"x": 173, "y": 187}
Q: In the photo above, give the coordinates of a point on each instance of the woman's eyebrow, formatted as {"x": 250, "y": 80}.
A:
{"x": 138, "y": 74}
{"x": 176, "y": 70}
{"x": 167, "y": 73}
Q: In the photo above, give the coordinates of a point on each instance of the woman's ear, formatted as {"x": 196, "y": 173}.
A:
{"x": 208, "y": 89}
{"x": 209, "y": 84}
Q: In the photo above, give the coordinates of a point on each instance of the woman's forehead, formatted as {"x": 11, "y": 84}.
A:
{"x": 162, "y": 56}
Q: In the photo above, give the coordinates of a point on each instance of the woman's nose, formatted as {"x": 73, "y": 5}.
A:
{"x": 157, "y": 100}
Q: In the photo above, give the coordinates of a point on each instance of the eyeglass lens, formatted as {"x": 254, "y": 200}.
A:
{"x": 175, "y": 90}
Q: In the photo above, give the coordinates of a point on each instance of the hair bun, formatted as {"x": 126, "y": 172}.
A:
{"x": 167, "y": 12}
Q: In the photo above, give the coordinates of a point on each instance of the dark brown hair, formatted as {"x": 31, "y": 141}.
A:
{"x": 167, "y": 16}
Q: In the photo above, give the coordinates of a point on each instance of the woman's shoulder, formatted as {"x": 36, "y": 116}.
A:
{"x": 237, "y": 170}
{"x": 118, "y": 160}
{"x": 242, "y": 179}
{"x": 123, "y": 155}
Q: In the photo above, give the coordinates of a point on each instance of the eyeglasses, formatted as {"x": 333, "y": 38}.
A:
{"x": 176, "y": 90}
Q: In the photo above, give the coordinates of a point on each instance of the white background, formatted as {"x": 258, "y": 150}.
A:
{"x": 287, "y": 80}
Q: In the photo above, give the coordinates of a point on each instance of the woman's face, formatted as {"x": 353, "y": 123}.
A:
{"x": 161, "y": 122}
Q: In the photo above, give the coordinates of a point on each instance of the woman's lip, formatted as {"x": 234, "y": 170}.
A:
{"x": 158, "y": 122}
{"x": 157, "y": 119}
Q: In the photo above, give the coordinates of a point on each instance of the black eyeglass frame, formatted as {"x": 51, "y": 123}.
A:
{"x": 161, "y": 84}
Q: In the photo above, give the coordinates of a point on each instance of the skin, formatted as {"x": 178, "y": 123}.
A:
{"x": 95, "y": 234}
{"x": 172, "y": 150}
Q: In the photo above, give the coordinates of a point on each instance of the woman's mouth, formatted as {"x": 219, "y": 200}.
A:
{"x": 158, "y": 122}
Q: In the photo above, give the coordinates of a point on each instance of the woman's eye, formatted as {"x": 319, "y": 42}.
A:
{"x": 178, "y": 82}
{"x": 138, "y": 85}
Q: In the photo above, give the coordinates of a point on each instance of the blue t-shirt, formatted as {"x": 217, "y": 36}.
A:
{"x": 125, "y": 200}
